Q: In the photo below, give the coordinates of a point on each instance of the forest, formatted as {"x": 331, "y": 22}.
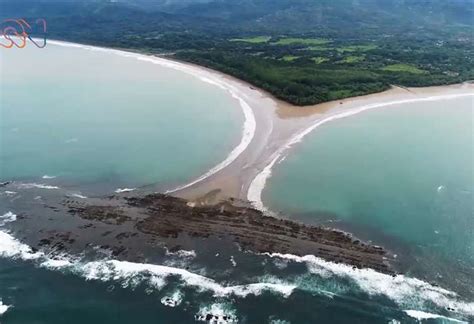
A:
{"x": 302, "y": 51}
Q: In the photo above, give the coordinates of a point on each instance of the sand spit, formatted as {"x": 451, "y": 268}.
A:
{"x": 271, "y": 127}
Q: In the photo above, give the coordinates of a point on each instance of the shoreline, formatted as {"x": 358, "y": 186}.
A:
{"x": 278, "y": 127}
{"x": 257, "y": 186}
{"x": 125, "y": 236}
{"x": 248, "y": 128}
{"x": 271, "y": 127}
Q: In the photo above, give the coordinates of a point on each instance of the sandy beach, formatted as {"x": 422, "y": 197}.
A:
{"x": 140, "y": 232}
{"x": 280, "y": 126}
{"x": 271, "y": 128}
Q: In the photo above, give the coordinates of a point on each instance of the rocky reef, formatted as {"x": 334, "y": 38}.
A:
{"x": 168, "y": 218}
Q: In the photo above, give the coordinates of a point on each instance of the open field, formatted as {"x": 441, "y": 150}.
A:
{"x": 404, "y": 68}
{"x": 252, "y": 40}
{"x": 302, "y": 41}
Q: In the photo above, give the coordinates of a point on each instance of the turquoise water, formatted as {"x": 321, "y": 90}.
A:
{"x": 403, "y": 172}
{"x": 96, "y": 118}
{"x": 87, "y": 116}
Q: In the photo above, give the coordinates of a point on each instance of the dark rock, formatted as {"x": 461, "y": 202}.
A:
{"x": 167, "y": 217}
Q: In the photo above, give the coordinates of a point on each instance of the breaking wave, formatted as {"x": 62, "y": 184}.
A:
{"x": 132, "y": 274}
{"x": 122, "y": 190}
{"x": 76, "y": 195}
{"x": 405, "y": 291}
{"x": 408, "y": 293}
{"x": 7, "y": 218}
{"x": 3, "y": 308}
{"x": 37, "y": 186}
{"x": 419, "y": 315}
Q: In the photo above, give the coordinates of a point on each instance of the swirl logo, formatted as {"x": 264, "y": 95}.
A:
{"x": 16, "y": 32}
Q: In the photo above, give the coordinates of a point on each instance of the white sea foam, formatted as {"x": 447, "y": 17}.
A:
{"x": 36, "y": 185}
{"x": 215, "y": 79}
{"x": 7, "y": 218}
{"x": 48, "y": 177}
{"x": 10, "y": 193}
{"x": 121, "y": 190}
{"x": 232, "y": 261}
{"x": 273, "y": 320}
{"x": 76, "y": 195}
{"x": 419, "y": 315}
{"x": 219, "y": 313}
{"x": 56, "y": 263}
{"x": 254, "y": 193}
{"x": 405, "y": 291}
{"x": 173, "y": 300}
{"x": 131, "y": 274}
{"x": 12, "y": 248}
{"x": 3, "y": 308}
{"x": 181, "y": 253}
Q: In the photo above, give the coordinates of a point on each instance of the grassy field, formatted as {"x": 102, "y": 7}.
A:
{"x": 357, "y": 48}
{"x": 353, "y": 59}
{"x": 407, "y": 68}
{"x": 319, "y": 48}
{"x": 289, "y": 58}
{"x": 319, "y": 59}
{"x": 252, "y": 40}
{"x": 302, "y": 41}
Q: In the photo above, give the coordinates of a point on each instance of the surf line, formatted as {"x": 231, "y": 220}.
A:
{"x": 399, "y": 289}
{"x": 248, "y": 128}
{"x": 254, "y": 192}
{"x": 125, "y": 272}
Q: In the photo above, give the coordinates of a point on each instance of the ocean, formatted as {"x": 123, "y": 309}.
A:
{"x": 89, "y": 117}
{"x": 400, "y": 176}
{"x": 117, "y": 134}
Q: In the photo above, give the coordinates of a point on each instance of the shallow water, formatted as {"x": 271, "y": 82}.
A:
{"x": 89, "y": 117}
{"x": 105, "y": 138}
{"x": 402, "y": 176}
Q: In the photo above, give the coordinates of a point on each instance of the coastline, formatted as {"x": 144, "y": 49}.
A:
{"x": 286, "y": 125}
{"x": 130, "y": 238}
{"x": 270, "y": 129}
{"x": 256, "y": 187}
{"x": 278, "y": 127}
{"x": 249, "y": 127}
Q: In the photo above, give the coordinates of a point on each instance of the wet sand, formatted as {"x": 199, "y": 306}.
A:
{"x": 277, "y": 125}
{"x": 46, "y": 219}
{"x": 270, "y": 129}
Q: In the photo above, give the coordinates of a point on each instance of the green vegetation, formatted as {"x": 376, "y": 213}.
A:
{"x": 357, "y": 48}
{"x": 252, "y": 40}
{"x": 337, "y": 94}
{"x": 404, "y": 68}
{"x": 289, "y": 58}
{"x": 319, "y": 48}
{"x": 287, "y": 47}
{"x": 353, "y": 59}
{"x": 319, "y": 59}
{"x": 301, "y": 41}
